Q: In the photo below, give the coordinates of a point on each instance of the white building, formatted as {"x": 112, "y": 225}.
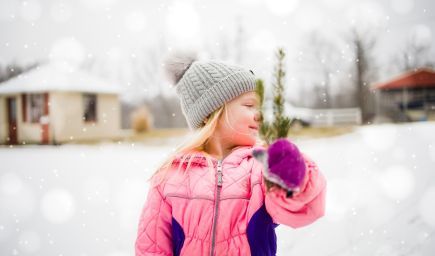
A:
{"x": 57, "y": 103}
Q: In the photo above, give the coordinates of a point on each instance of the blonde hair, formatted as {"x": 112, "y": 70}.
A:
{"x": 192, "y": 145}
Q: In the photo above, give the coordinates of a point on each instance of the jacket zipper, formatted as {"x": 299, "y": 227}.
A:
{"x": 216, "y": 207}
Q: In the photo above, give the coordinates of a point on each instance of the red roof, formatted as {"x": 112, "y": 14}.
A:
{"x": 422, "y": 78}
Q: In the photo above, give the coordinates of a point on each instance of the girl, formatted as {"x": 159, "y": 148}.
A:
{"x": 210, "y": 196}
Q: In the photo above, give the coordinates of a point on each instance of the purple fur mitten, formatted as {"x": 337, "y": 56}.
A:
{"x": 284, "y": 165}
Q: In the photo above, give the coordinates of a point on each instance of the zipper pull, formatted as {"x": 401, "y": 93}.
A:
{"x": 219, "y": 173}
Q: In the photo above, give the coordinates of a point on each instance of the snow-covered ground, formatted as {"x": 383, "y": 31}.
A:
{"x": 86, "y": 200}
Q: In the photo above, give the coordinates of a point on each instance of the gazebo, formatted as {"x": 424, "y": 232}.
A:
{"x": 408, "y": 97}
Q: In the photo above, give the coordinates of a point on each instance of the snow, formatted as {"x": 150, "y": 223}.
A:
{"x": 67, "y": 49}
{"x": 57, "y": 76}
{"x": 402, "y": 6}
{"x": 57, "y": 205}
{"x": 421, "y": 35}
{"x": 282, "y": 7}
{"x": 262, "y": 40}
{"x": 30, "y": 10}
{"x": 397, "y": 182}
{"x": 98, "y": 5}
{"x": 312, "y": 19}
{"x": 135, "y": 21}
{"x": 183, "y": 23}
{"x": 29, "y": 242}
{"x": 366, "y": 15}
{"x": 379, "y": 138}
{"x": 427, "y": 206}
{"x": 15, "y": 195}
{"x": 86, "y": 199}
{"x": 10, "y": 184}
{"x": 7, "y": 9}
{"x": 61, "y": 11}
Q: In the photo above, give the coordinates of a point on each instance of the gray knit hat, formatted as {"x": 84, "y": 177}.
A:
{"x": 204, "y": 86}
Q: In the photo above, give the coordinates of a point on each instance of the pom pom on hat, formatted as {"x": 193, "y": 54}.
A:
{"x": 177, "y": 63}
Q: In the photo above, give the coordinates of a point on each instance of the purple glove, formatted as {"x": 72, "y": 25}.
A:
{"x": 284, "y": 165}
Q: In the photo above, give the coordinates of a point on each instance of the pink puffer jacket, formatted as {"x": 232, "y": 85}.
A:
{"x": 199, "y": 212}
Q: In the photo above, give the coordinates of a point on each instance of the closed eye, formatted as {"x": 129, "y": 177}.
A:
{"x": 251, "y": 106}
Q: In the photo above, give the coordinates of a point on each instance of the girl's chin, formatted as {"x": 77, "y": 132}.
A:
{"x": 248, "y": 141}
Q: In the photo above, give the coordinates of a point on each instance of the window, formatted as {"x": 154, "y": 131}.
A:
{"x": 90, "y": 107}
{"x": 34, "y": 108}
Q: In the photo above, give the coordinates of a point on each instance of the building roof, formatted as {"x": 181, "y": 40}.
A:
{"x": 422, "y": 78}
{"x": 57, "y": 77}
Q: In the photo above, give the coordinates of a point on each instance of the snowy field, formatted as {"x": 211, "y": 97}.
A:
{"x": 85, "y": 200}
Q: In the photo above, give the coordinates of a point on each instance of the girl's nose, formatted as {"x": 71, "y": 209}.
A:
{"x": 257, "y": 116}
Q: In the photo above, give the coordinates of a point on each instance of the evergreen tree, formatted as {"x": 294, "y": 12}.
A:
{"x": 281, "y": 124}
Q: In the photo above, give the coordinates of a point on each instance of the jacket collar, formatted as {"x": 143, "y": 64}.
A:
{"x": 235, "y": 157}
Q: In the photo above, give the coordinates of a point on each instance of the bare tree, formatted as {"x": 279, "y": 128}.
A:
{"x": 414, "y": 54}
{"x": 147, "y": 67}
{"x": 228, "y": 44}
{"x": 219, "y": 47}
{"x": 363, "y": 43}
{"x": 239, "y": 41}
{"x": 166, "y": 111}
{"x": 139, "y": 71}
{"x": 320, "y": 58}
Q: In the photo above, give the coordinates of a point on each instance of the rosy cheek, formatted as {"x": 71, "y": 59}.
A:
{"x": 243, "y": 123}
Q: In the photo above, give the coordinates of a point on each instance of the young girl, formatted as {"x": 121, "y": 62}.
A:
{"x": 210, "y": 196}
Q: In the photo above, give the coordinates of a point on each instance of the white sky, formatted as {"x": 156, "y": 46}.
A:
{"x": 34, "y": 29}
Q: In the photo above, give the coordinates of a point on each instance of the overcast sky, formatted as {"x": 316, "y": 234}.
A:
{"x": 37, "y": 30}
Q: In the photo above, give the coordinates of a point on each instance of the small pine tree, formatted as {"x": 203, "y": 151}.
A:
{"x": 281, "y": 124}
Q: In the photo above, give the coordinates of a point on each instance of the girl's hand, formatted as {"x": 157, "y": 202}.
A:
{"x": 284, "y": 166}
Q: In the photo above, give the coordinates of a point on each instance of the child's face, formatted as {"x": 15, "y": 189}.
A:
{"x": 239, "y": 124}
